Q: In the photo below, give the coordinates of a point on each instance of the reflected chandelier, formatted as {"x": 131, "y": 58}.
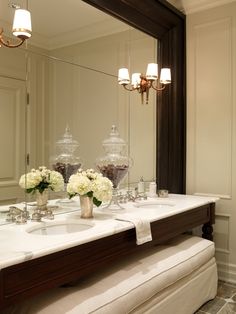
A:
{"x": 21, "y": 27}
{"x": 142, "y": 83}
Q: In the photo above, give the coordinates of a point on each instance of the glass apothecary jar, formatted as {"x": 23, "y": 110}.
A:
{"x": 66, "y": 161}
{"x": 115, "y": 164}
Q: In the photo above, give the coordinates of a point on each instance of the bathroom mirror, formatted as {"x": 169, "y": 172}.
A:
{"x": 83, "y": 93}
{"x": 76, "y": 85}
{"x": 166, "y": 24}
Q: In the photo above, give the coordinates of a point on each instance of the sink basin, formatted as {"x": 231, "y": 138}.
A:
{"x": 154, "y": 204}
{"x": 60, "y": 227}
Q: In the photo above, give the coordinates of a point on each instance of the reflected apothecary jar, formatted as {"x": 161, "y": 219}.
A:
{"x": 115, "y": 164}
{"x": 66, "y": 161}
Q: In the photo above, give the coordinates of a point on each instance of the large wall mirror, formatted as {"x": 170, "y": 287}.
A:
{"x": 69, "y": 69}
{"x": 70, "y": 76}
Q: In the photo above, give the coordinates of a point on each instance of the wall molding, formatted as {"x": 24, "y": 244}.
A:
{"x": 226, "y": 272}
{"x": 224, "y": 197}
{"x": 193, "y": 6}
{"x": 223, "y": 237}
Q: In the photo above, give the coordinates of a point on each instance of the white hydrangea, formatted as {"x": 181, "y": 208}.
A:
{"x": 41, "y": 179}
{"x": 56, "y": 181}
{"x": 30, "y": 180}
{"x": 89, "y": 181}
{"x": 102, "y": 189}
{"x": 78, "y": 184}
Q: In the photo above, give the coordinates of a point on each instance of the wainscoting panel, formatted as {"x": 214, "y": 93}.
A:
{"x": 213, "y": 108}
{"x": 222, "y": 233}
{"x": 211, "y": 122}
{"x": 37, "y": 111}
{"x": 12, "y": 135}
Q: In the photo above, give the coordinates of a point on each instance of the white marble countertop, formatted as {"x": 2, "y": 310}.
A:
{"x": 17, "y": 245}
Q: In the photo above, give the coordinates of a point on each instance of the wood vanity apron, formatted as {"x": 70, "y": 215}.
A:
{"x": 28, "y": 278}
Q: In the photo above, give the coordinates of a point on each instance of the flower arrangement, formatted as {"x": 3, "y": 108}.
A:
{"x": 41, "y": 179}
{"x": 92, "y": 184}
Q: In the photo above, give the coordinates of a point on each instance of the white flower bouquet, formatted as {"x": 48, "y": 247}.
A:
{"x": 41, "y": 179}
{"x": 92, "y": 184}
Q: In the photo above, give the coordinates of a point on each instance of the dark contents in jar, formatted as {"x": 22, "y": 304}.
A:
{"x": 66, "y": 169}
{"x": 114, "y": 173}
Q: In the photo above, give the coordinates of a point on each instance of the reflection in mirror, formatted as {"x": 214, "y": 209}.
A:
{"x": 12, "y": 125}
{"x": 72, "y": 80}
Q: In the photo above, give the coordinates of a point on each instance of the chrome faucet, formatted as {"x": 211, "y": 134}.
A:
{"x": 139, "y": 196}
{"x": 45, "y": 212}
{"x": 17, "y": 215}
{"x": 20, "y": 216}
{"x": 136, "y": 196}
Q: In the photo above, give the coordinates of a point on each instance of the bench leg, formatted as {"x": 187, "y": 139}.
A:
{"x": 207, "y": 231}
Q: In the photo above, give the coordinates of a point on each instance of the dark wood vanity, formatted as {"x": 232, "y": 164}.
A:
{"x": 29, "y": 278}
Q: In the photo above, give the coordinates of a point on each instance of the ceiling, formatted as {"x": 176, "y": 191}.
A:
{"x": 192, "y": 6}
{"x": 59, "y": 23}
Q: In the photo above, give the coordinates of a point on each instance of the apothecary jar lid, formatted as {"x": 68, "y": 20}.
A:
{"x": 114, "y": 144}
{"x": 67, "y": 143}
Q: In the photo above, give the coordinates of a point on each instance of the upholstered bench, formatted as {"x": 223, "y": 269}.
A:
{"x": 168, "y": 279}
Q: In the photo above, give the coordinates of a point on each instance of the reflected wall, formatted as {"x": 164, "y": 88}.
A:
{"x": 12, "y": 123}
{"x": 83, "y": 93}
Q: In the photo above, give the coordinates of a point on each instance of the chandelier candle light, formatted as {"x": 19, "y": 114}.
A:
{"x": 142, "y": 83}
{"x": 21, "y": 27}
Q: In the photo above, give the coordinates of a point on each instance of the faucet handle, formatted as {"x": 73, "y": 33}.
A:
{"x": 17, "y": 215}
{"x": 21, "y": 219}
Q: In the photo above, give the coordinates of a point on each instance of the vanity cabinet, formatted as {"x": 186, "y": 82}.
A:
{"x": 31, "y": 277}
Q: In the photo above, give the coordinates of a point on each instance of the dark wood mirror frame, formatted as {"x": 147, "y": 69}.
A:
{"x": 162, "y": 21}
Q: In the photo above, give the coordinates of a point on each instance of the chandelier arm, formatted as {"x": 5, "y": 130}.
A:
{"x": 147, "y": 95}
{"x": 156, "y": 88}
{"x": 7, "y": 43}
{"x": 130, "y": 89}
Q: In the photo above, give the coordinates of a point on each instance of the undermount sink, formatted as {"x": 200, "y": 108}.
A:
{"x": 60, "y": 227}
{"x": 154, "y": 204}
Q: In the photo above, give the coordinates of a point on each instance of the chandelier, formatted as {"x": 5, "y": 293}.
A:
{"x": 21, "y": 27}
{"x": 143, "y": 83}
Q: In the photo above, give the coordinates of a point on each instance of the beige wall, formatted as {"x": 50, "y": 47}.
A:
{"x": 211, "y": 122}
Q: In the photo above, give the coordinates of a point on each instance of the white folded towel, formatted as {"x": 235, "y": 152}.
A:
{"x": 142, "y": 227}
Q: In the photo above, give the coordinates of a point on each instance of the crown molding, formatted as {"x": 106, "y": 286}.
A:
{"x": 193, "y": 6}
{"x": 96, "y": 30}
